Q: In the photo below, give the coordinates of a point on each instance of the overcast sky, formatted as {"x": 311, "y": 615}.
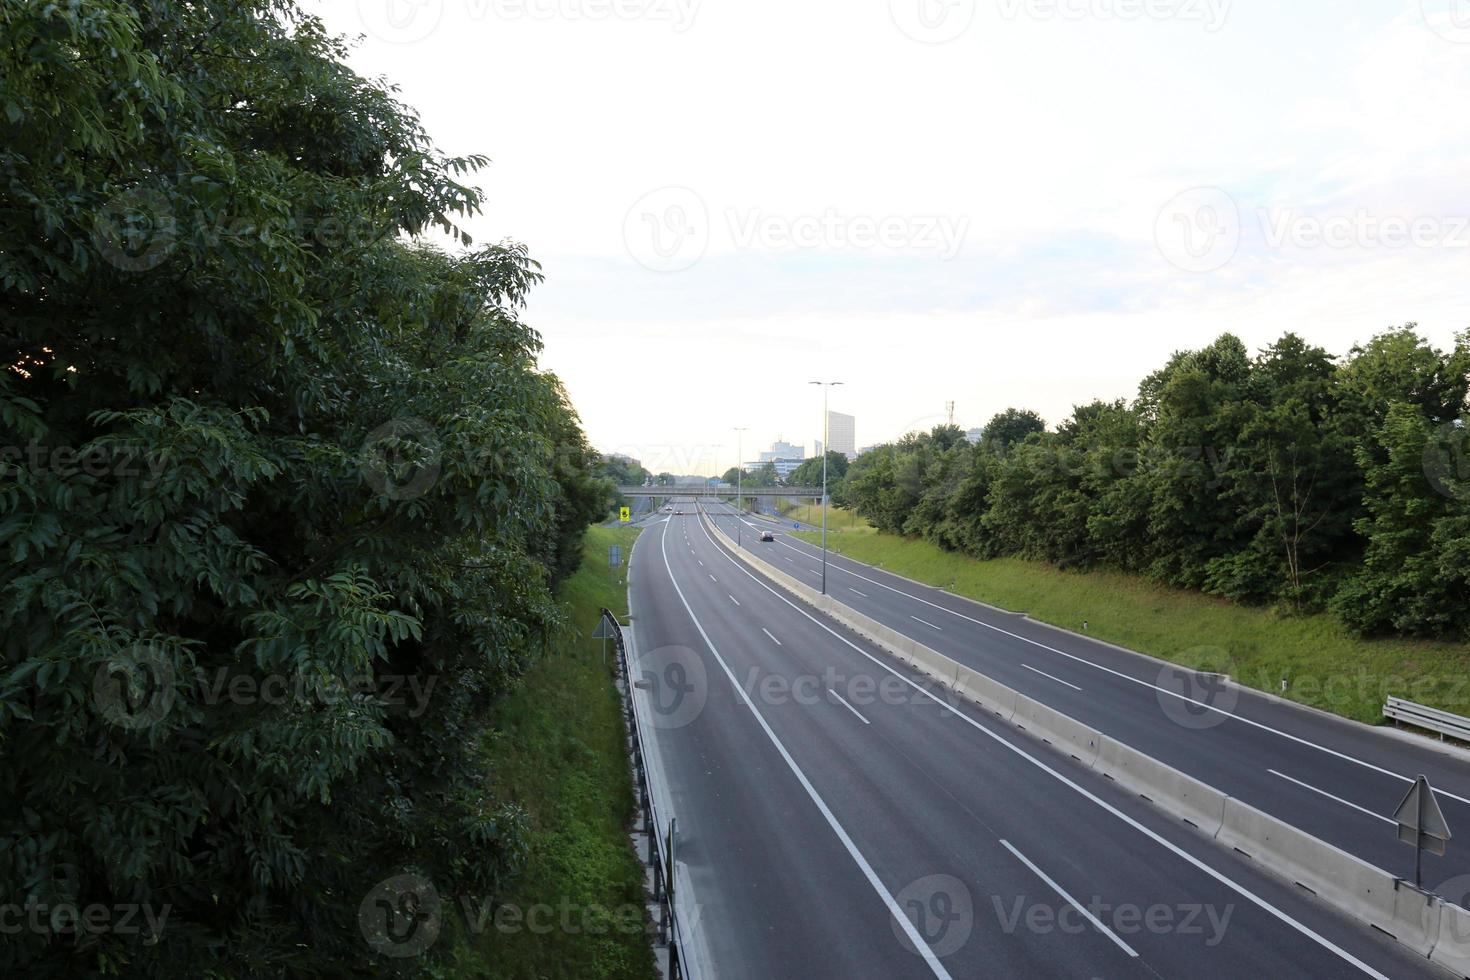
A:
{"x": 994, "y": 202}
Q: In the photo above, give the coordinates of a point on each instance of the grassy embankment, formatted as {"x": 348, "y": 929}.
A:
{"x": 557, "y": 748}
{"x": 810, "y": 513}
{"x": 1324, "y": 665}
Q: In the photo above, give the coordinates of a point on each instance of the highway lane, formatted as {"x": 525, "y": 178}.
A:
{"x": 775, "y": 869}
{"x": 813, "y": 802}
{"x": 1339, "y": 781}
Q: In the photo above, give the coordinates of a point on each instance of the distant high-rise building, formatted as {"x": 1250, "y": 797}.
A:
{"x": 782, "y": 450}
{"x": 783, "y": 456}
{"x": 974, "y": 435}
{"x": 842, "y": 434}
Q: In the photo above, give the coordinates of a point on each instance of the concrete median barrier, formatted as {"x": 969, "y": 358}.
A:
{"x": 1452, "y": 950}
{"x": 989, "y": 694}
{"x": 1367, "y": 893}
{"x": 1071, "y": 736}
{"x": 1170, "y": 789}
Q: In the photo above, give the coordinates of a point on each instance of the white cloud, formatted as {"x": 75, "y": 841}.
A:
{"x": 1053, "y": 141}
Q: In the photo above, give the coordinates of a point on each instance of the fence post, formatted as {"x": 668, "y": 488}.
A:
{"x": 668, "y": 869}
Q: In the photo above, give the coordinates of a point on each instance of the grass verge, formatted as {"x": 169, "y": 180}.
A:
{"x": 837, "y": 518}
{"x": 1323, "y": 664}
{"x": 557, "y": 747}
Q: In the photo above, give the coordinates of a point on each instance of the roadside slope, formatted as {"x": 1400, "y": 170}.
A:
{"x": 558, "y": 749}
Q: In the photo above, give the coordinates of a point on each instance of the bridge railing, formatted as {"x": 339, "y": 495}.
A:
{"x": 696, "y": 490}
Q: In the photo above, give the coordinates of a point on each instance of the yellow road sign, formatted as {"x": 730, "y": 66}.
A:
{"x": 624, "y": 514}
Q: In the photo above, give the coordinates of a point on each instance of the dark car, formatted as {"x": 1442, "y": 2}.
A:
{"x": 768, "y": 536}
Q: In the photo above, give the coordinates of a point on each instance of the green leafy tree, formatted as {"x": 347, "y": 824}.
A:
{"x": 1007, "y": 429}
{"x": 809, "y": 473}
{"x": 869, "y": 488}
{"x": 256, "y": 431}
{"x": 762, "y": 476}
{"x": 1414, "y": 575}
{"x": 621, "y": 471}
{"x": 1294, "y": 484}
{"x": 1285, "y": 478}
{"x": 1107, "y": 438}
{"x": 1195, "y": 411}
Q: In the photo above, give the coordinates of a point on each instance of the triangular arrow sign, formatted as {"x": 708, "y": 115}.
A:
{"x": 1419, "y": 814}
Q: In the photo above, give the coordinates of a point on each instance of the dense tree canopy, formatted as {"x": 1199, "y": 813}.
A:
{"x": 1289, "y": 477}
{"x": 809, "y": 473}
{"x": 255, "y": 431}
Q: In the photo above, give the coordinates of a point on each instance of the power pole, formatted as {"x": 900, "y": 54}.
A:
{"x": 739, "y": 481}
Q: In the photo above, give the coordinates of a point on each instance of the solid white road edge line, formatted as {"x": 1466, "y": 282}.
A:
{"x": 1173, "y": 848}
{"x": 1070, "y": 900}
{"x": 898, "y": 914}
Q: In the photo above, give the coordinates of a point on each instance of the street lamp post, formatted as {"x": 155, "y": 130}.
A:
{"x": 826, "y": 386}
{"x": 739, "y": 481}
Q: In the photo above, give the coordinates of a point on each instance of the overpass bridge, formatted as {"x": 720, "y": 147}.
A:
{"x": 699, "y": 490}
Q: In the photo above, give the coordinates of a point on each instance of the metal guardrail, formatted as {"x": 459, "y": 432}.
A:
{"x": 1423, "y": 716}
{"x": 662, "y": 836}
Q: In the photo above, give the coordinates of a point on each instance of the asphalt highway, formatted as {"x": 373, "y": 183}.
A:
{"x": 1338, "y": 780}
{"x": 840, "y": 817}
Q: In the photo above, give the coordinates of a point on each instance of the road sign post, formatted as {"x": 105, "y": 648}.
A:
{"x": 1422, "y": 823}
{"x": 602, "y": 633}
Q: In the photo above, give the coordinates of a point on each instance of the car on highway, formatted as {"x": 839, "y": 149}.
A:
{"x": 768, "y": 536}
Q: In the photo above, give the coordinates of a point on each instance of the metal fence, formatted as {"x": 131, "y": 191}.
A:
{"x": 661, "y": 829}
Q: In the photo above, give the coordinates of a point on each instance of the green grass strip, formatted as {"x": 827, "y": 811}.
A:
{"x": 1323, "y": 664}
